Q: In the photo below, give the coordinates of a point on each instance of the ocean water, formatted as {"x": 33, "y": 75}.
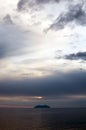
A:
{"x": 42, "y": 119}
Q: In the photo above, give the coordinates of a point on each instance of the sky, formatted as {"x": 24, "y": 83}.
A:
{"x": 43, "y": 53}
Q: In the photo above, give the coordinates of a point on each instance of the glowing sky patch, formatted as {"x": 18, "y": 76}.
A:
{"x": 20, "y": 98}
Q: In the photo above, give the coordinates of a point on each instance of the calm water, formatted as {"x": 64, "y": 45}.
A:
{"x": 42, "y": 119}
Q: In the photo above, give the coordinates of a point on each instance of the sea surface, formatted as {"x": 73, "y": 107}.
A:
{"x": 43, "y": 119}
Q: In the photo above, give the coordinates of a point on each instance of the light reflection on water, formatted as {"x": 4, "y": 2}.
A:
{"x": 42, "y": 119}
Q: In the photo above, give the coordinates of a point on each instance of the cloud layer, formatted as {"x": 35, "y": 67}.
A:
{"x": 61, "y": 84}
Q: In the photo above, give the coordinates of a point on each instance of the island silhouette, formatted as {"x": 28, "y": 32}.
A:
{"x": 42, "y": 106}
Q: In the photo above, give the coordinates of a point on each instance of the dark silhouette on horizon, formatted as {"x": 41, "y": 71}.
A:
{"x": 42, "y": 106}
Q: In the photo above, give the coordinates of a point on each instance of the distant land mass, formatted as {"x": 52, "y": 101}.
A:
{"x": 42, "y": 106}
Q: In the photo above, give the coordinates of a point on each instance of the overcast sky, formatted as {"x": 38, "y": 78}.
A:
{"x": 43, "y": 53}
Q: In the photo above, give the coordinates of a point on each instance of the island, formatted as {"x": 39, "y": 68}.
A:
{"x": 42, "y": 106}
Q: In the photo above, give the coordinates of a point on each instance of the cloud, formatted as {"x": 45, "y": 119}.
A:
{"x": 24, "y": 4}
{"x": 46, "y": 1}
{"x": 76, "y": 13}
{"x": 7, "y": 19}
{"x": 77, "y": 56}
{"x": 61, "y": 84}
{"x": 11, "y": 41}
{"x": 14, "y": 41}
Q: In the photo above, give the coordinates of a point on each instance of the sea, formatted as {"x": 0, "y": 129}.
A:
{"x": 43, "y": 119}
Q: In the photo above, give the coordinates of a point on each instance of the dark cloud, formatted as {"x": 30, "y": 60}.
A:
{"x": 46, "y": 1}
{"x": 61, "y": 84}
{"x": 77, "y": 56}
{"x": 24, "y": 4}
{"x": 76, "y": 13}
{"x": 7, "y": 19}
